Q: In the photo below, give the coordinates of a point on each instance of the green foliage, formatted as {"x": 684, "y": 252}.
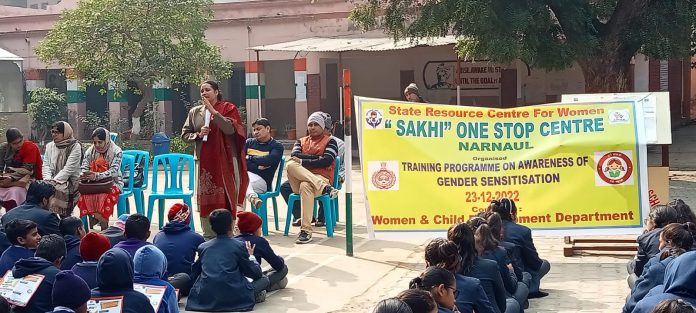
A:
{"x": 178, "y": 145}
{"x": 549, "y": 34}
{"x": 92, "y": 121}
{"x": 136, "y": 40}
{"x": 47, "y": 107}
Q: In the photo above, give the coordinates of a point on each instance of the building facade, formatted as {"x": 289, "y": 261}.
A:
{"x": 291, "y": 85}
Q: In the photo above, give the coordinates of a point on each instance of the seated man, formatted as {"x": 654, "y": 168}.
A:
{"x": 263, "y": 154}
{"x": 73, "y": 231}
{"x": 286, "y": 189}
{"x": 36, "y": 210}
{"x": 137, "y": 232}
{"x": 115, "y": 279}
{"x": 92, "y": 246}
{"x": 220, "y": 273}
{"x": 25, "y": 238}
{"x": 311, "y": 170}
{"x": 21, "y": 162}
{"x": 180, "y": 245}
{"x": 46, "y": 262}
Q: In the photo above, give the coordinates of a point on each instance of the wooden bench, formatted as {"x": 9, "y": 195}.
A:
{"x": 599, "y": 246}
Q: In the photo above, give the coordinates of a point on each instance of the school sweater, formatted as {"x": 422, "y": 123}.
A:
{"x": 179, "y": 244}
{"x": 72, "y": 256}
{"x": 263, "y": 250}
{"x": 263, "y": 154}
{"x": 11, "y": 255}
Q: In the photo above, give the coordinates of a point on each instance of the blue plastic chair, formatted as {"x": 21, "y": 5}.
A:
{"x": 114, "y": 137}
{"x": 174, "y": 165}
{"x": 127, "y": 163}
{"x": 329, "y": 210}
{"x": 144, "y": 158}
{"x": 263, "y": 210}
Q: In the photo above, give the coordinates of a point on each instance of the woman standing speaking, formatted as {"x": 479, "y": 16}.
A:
{"x": 222, "y": 178}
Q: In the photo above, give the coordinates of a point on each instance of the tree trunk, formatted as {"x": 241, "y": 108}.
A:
{"x": 605, "y": 74}
{"x": 146, "y": 91}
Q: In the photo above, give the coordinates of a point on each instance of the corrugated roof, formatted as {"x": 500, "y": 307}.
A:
{"x": 342, "y": 44}
{"x": 8, "y": 56}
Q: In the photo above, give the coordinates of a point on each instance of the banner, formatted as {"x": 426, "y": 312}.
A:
{"x": 566, "y": 166}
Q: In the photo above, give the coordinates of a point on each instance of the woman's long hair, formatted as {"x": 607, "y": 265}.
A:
{"x": 679, "y": 239}
{"x": 483, "y": 235}
{"x": 463, "y": 237}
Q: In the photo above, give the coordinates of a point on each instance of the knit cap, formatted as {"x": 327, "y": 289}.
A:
{"x": 93, "y": 245}
{"x": 248, "y": 222}
{"x": 179, "y": 212}
{"x": 317, "y": 117}
{"x": 69, "y": 290}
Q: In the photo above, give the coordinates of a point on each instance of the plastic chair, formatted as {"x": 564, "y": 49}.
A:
{"x": 174, "y": 165}
{"x": 263, "y": 210}
{"x": 114, "y": 137}
{"x": 127, "y": 163}
{"x": 144, "y": 158}
{"x": 329, "y": 210}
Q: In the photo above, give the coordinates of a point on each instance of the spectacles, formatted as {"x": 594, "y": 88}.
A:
{"x": 455, "y": 290}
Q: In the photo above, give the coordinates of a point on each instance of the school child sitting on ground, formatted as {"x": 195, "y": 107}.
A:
{"x": 70, "y": 293}
{"x": 179, "y": 245}
{"x": 92, "y": 247}
{"x": 420, "y": 301}
{"x": 674, "y": 306}
{"x": 46, "y": 262}
{"x": 392, "y": 305}
{"x": 137, "y": 232}
{"x": 115, "y": 279}
{"x": 150, "y": 266}
{"x": 249, "y": 225}
{"x": 487, "y": 247}
{"x": 72, "y": 230}
{"x": 496, "y": 225}
{"x": 484, "y": 270}
{"x": 675, "y": 240}
{"x": 442, "y": 286}
{"x": 649, "y": 242}
{"x": 220, "y": 273}
{"x": 24, "y": 236}
{"x": 678, "y": 284}
{"x": 521, "y": 236}
{"x": 471, "y": 296}
{"x": 115, "y": 232}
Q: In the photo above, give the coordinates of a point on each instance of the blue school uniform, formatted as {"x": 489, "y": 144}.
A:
{"x": 680, "y": 276}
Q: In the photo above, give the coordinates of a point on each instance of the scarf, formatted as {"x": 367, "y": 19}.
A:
{"x": 107, "y": 152}
{"x": 64, "y": 146}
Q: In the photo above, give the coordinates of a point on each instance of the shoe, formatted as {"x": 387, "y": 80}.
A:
{"x": 330, "y": 191}
{"x": 320, "y": 224}
{"x": 255, "y": 202}
{"x": 304, "y": 237}
{"x": 296, "y": 222}
{"x": 261, "y": 296}
{"x": 538, "y": 294}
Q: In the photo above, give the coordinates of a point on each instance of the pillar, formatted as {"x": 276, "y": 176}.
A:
{"x": 255, "y": 82}
{"x": 301, "y": 96}
{"x": 77, "y": 108}
{"x": 162, "y": 93}
{"x": 118, "y": 109}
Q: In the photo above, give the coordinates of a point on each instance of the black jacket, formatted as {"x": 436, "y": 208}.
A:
{"x": 41, "y": 301}
{"x": 115, "y": 278}
{"x": 521, "y": 236}
{"x": 48, "y": 222}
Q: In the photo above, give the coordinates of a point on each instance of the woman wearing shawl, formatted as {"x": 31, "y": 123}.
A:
{"x": 102, "y": 160}
{"x": 62, "y": 168}
{"x": 20, "y": 164}
{"x": 222, "y": 178}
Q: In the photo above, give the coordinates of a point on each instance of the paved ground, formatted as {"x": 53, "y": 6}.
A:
{"x": 324, "y": 279}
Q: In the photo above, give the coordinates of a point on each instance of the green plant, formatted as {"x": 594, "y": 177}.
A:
{"x": 178, "y": 145}
{"x": 243, "y": 114}
{"x": 47, "y": 107}
{"x": 92, "y": 121}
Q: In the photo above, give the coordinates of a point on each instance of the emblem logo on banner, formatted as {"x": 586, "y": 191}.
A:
{"x": 614, "y": 168}
{"x": 373, "y": 118}
{"x": 384, "y": 175}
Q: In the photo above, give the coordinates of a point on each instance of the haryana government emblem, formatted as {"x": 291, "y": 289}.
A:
{"x": 373, "y": 118}
{"x": 383, "y": 178}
